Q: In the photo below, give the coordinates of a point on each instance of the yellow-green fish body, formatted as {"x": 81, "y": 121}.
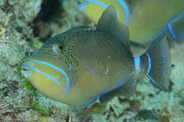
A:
{"x": 146, "y": 19}
{"x": 94, "y": 9}
{"x": 151, "y": 18}
{"x": 81, "y": 65}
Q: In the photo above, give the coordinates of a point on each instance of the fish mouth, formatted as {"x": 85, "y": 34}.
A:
{"x": 26, "y": 70}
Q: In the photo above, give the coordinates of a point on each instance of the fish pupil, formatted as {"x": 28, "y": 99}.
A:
{"x": 61, "y": 47}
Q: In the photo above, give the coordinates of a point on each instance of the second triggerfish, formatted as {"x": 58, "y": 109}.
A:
{"x": 146, "y": 19}
{"x": 82, "y": 65}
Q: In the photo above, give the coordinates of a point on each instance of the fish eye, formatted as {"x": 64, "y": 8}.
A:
{"x": 58, "y": 48}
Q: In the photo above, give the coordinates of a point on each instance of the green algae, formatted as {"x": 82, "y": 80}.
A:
{"x": 42, "y": 109}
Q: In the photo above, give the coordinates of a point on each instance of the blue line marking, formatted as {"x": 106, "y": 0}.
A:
{"x": 137, "y": 63}
{"x": 105, "y": 6}
{"x": 122, "y": 83}
{"x": 149, "y": 68}
{"x": 50, "y": 65}
{"x": 149, "y": 63}
{"x": 171, "y": 31}
{"x": 29, "y": 73}
{"x": 50, "y": 77}
{"x": 152, "y": 80}
{"x": 178, "y": 17}
{"x": 45, "y": 54}
{"x": 126, "y": 10}
{"x": 98, "y": 3}
{"x": 83, "y": 7}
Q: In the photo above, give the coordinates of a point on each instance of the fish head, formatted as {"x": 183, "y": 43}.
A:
{"x": 48, "y": 68}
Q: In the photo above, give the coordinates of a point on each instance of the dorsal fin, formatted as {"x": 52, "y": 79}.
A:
{"x": 109, "y": 24}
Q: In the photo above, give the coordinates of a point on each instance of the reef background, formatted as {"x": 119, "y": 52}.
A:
{"x": 25, "y": 24}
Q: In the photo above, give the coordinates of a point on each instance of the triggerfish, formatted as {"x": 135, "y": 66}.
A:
{"x": 82, "y": 65}
{"x": 146, "y": 19}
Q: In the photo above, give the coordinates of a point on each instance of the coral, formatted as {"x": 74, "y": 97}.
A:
{"x": 15, "y": 34}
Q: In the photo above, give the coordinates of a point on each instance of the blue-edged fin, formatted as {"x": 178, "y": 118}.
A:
{"x": 108, "y": 23}
{"x": 176, "y": 27}
{"x": 156, "y": 62}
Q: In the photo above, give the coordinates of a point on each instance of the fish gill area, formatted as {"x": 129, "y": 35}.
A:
{"x": 25, "y": 25}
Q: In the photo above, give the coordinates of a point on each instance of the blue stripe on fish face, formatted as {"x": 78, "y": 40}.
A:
{"x": 57, "y": 68}
{"x": 44, "y": 54}
{"x": 98, "y": 3}
{"x": 50, "y": 77}
{"x": 105, "y": 6}
{"x": 83, "y": 7}
{"x": 26, "y": 75}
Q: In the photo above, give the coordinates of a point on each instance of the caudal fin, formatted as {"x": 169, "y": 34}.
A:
{"x": 156, "y": 63}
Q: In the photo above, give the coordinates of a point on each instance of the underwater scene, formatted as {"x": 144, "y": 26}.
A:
{"x": 92, "y": 60}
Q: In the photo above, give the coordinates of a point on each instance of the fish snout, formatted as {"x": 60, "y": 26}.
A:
{"x": 26, "y": 70}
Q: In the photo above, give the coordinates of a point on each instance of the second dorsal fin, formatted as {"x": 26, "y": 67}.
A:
{"x": 109, "y": 24}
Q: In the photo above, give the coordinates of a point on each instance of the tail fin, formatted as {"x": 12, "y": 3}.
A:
{"x": 156, "y": 63}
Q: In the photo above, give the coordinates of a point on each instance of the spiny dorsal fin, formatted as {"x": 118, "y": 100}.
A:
{"x": 109, "y": 24}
